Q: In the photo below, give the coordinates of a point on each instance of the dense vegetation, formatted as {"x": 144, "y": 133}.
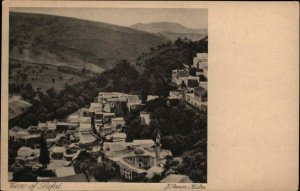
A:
{"x": 182, "y": 129}
{"x": 180, "y": 126}
{"x": 51, "y": 105}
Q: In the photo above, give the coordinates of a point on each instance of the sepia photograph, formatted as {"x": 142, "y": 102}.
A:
{"x": 108, "y": 95}
{"x": 114, "y": 96}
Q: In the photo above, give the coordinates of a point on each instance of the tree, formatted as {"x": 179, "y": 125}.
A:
{"x": 196, "y": 175}
{"x": 195, "y": 166}
{"x": 101, "y": 174}
{"x": 146, "y": 132}
{"x": 178, "y": 42}
{"x": 156, "y": 178}
{"x": 193, "y": 71}
{"x": 28, "y": 87}
{"x": 13, "y": 150}
{"x": 44, "y": 158}
{"x": 168, "y": 142}
{"x": 134, "y": 128}
{"x": 24, "y": 175}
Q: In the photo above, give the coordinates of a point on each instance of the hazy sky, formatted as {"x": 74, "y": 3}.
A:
{"x": 193, "y": 18}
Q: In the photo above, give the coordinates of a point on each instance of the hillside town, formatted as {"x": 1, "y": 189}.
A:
{"x": 57, "y": 150}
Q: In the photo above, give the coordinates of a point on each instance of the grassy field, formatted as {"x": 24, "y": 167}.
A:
{"x": 42, "y": 76}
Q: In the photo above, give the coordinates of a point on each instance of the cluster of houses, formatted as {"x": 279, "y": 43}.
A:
{"x": 192, "y": 82}
{"x": 97, "y": 129}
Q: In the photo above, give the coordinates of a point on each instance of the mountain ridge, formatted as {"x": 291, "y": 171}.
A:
{"x": 171, "y": 30}
{"x": 166, "y": 27}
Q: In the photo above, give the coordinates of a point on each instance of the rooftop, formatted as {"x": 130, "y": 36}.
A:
{"x": 133, "y": 98}
{"x": 114, "y": 146}
{"x": 119, "y": 136}
{"x": 144, "y": 142}
{"x": 54, "y": 164}
{"x": 95, "y": 104}
{"x": 64, "y": 171}
{"x": 117, "y": 119}
{"x": 108, "y": 114}
{"x": 107, "y": 126}
{"x": 27, "y": 151}
{"x": 203, "y": 85}
{"x": 85, "y": 119}
{"x": 113, "y": 99}
{"x": 202, "y": 55}
{"x": 57, "y": 149}
{"x": 87, "y": 138}
{"x": 152, "y": 97}
{"x": 85, "y": 126}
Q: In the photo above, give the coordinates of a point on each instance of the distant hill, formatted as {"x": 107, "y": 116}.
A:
{"x": 160, "y": 27}
{"x": 171, "y": 30}
{"x": 74, "y": 42}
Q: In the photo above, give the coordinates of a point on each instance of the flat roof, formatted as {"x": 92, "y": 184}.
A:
{"x": 87, "y": 138}
{"x": 64, "y": 171}
{"x": 57, "y": 149}
{"x": 85, "y": 126}
{"x": 118, "y": 119}
{"x": 133, "y": 98}
{"x": 108, "y": 114}
{"x": 119, "y": 135}
{"x": 143, "y": 141}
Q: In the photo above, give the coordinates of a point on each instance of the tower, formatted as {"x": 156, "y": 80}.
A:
{"x": 157, "y": 148}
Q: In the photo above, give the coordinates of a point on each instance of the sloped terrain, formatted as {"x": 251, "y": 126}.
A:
{"x": 74, "y": 42}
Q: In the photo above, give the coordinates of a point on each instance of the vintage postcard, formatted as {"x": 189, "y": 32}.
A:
{"x": 117, "y": 96}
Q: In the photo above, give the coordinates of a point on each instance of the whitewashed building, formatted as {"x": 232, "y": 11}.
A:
{"x": 133, "y": 101}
